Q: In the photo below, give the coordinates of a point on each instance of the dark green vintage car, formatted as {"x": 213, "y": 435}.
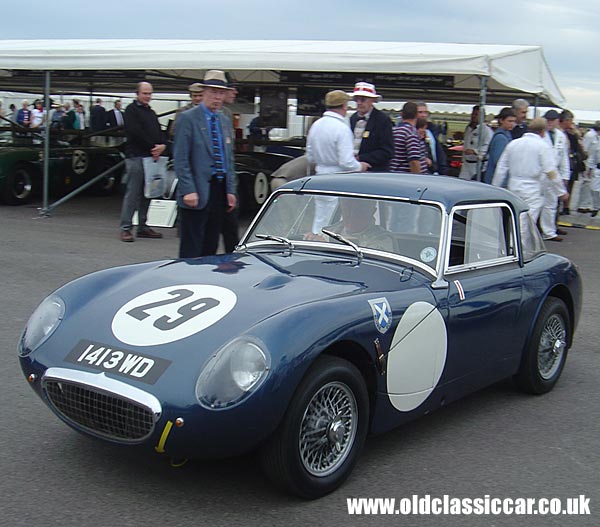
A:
{"x": 21, "y": 169}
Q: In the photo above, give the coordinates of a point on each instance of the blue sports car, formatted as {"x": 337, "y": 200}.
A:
{"x": 353, "y": 304}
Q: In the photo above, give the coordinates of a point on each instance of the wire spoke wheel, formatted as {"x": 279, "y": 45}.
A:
{"x": 552, "y": 346}
{"x": 544, "y": 357}
{"x": 323, "y": 431}
{"x": 328, "y": 429}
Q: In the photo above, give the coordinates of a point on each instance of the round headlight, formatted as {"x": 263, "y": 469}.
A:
{"x": 247, "y": 364}
{"x": 42, "y": 323}
{"x": 234, "y": 372}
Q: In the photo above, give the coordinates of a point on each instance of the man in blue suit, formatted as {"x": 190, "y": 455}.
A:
{"x": 204, "y": 163}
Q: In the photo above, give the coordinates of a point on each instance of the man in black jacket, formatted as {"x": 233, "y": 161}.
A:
{"x": 98, "y": 117}
{"x": 145, "y": 139}
{"x": 372, "y": 129}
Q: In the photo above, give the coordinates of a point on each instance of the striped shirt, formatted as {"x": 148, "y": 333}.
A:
{"x": 407, "y": 147}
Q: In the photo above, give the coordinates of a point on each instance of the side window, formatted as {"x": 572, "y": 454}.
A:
{"x": 481, "y": 235}
{"x": 531, "y": 240}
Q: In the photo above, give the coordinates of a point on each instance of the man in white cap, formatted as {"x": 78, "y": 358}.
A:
{"x": 204, "y": 164}
{"x": 195, "y": 90}
{"x": 329, "y": 146}
{"x": 372, "y": 129}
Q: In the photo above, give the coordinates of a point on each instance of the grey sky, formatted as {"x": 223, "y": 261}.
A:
{"x": 568, "y": 31}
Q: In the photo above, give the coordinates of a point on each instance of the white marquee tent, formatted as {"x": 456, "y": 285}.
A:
{"x": 507, "y": 71}
{"x": 434, "y": 72}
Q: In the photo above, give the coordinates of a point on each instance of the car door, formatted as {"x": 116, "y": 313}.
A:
{"x": 485, "y": 290}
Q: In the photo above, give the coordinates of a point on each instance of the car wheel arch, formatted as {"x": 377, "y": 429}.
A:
{"x": 562, "y": 293}
{"x": 348, "y": 350}
{"x": 362, "y": 360}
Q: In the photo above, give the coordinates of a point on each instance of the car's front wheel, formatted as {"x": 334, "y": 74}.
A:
{"x": 18, "y": 186}
{"x": 544, "y": 358}
{"x": 321, "y": 436}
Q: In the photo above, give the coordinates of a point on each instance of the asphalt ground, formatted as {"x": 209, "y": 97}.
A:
{"x": 497, "y": 442}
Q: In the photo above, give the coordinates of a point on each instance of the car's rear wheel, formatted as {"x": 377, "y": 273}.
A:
{"x": 321, "y": 436}
{"x": 18, "y": 186}
{"x": 544, "y": 358}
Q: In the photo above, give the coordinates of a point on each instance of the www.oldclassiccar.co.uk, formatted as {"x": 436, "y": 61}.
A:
{"x": 485, "y": 505}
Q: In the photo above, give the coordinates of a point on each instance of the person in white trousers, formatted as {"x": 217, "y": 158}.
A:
{"x": 525, "y": 165}
{"x": 558, "y": 143}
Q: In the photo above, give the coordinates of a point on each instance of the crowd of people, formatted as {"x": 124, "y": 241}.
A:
{"x": 65, "y": 116}
{"x": 545, "y": 161}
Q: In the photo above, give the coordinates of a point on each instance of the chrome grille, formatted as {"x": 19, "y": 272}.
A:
{"x": 104, "y": 414}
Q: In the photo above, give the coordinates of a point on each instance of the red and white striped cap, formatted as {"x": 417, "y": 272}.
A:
{"x": 364, "y": 89}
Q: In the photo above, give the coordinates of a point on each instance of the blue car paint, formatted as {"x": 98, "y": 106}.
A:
{"x": 336, "y": 291}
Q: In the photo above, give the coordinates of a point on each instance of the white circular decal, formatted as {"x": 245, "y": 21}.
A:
{"x": 428, "y": 254}
{"x": 171, "y": 313}
{"x": 417, "y": 356}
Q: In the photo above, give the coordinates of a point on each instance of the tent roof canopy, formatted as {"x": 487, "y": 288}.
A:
{"x": 436, "y": 72}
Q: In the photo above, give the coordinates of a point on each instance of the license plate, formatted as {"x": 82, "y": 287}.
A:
{"x": 118, "y": 361}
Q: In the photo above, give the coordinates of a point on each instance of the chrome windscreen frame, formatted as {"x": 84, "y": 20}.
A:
{"x": 435, "y": 273}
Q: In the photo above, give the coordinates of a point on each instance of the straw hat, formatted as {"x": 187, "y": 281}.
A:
{"x": 215, "y": 79}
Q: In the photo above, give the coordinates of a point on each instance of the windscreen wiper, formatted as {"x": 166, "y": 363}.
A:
{"x": 279, "y": 239}
{"x": 342, "y": 239}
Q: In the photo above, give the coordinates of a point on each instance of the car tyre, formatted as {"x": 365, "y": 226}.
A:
{"x": 545, "y": 356}
{"x": 18, "y": 186}
{"x": 320, "y": 438}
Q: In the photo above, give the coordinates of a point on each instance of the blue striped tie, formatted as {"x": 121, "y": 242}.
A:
{"x": 217, "y": 154}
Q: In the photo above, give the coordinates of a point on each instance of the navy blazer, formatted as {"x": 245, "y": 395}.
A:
{"x": 377, "y": 146}
{"x": 193, "y": 157}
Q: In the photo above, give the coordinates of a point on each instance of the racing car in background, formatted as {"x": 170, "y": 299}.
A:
{"x": 254, "y": 170}
{"x": 21, "y": 169}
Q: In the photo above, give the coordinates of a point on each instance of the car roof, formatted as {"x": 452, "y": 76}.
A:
{"x": 450, "y": 191}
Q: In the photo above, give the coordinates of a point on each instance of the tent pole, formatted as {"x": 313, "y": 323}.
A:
{"x": 46, "y": 139}
{"x": 482, "y": 96}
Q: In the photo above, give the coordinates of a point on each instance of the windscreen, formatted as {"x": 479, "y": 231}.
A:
{"x": 396, "y": 227}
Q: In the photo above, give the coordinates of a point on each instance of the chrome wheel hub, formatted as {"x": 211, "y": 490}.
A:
{"x": 552, "y": 347}
{"x": 328, "y": 429}
{"x": 336, "y": 433}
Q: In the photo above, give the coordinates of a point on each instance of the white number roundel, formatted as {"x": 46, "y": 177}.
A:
{"x": 171, "y": 313}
